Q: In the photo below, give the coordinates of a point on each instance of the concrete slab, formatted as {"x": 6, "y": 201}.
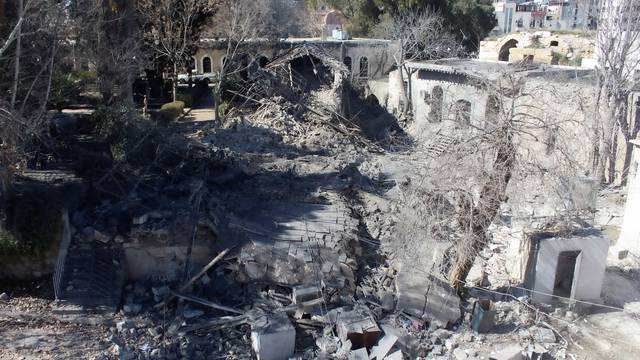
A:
{"x": 273, "y": 337}
{"x": 427, "y": 297}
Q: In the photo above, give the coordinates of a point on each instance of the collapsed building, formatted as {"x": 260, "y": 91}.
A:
{"x": 278, "y": 233}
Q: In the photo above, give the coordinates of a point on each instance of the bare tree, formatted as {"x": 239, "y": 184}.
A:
{"x": 618, "y": 50}
{"x": 422, "y": 36}
{"x": 26, "y": 77}
{"x": 525, "y": 144}
{"x": 107, "y": 35}
{"x": 171, "y": 29}
{"x": 238, "y": 23}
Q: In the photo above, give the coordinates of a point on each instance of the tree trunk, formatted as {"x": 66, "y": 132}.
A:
{"x": 612, "y": 157}
{"x": 476, "y": 220}
{"x": 16, "y": 70}
{"x": 174, "y": 82}
{"x": 403, "y": 91}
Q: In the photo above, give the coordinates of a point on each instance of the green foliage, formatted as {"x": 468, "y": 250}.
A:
{"x": 169, "y": 112}
{"x": 130, "y": 136}
{"x": 65, "y": 90}
{"x": 471, "y": 20}
{"x": 33, "y": 224}
{"x": 563, "y": 59}
{"x": 176, "y": 107}
{"x": 187, "y": 99}
{"x": 66, "y": 87}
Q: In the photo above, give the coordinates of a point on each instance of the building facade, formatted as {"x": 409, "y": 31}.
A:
{"x": 365, "y": 58}
{"x": 518, "y": 15}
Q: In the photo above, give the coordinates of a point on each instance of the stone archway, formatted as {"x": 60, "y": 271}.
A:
{"x": 503, "y": 54}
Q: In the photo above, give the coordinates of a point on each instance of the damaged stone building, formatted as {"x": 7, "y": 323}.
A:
{"x": 311, "y": 223}
{"x": 365, "y": 58}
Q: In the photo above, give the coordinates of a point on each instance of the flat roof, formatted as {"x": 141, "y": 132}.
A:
{"x": 490, "y": 69}
{"x": 315, "y": 40}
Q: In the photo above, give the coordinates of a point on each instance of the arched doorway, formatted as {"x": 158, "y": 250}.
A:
{"x": 348, "y": 62}
{"x": 462, "y": 110}
{"x": 364, "y": 67}
{"x": 437, "y": 97}
{"x": 492, "y": 112}
{"x": 206, "y": 65}
{"x": 262, "y": 61}
{"x": 503, "y": 55}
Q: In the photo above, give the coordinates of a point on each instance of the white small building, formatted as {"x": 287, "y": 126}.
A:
{"x": 629, "y": 239}
{"x": 571, "y": 267}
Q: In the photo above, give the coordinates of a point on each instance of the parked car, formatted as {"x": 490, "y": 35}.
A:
{"x": 206, "y": 77}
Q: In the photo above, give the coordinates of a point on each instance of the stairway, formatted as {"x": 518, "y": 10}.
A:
{"x": 440, "y": 144}
{"x": 91, "y": 277}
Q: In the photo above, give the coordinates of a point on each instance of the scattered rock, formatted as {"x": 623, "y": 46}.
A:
{"x": 459, "y": 354}
{"x": 4, "y": 297}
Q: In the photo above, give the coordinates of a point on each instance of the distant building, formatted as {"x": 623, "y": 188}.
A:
{"x": 541, "y": 47}
{"x": 365, "y": 58}
{"x": 519, "y": 15}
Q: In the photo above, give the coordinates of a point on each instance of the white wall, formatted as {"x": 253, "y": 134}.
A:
{"x": 452, "y": 93}
{"x": 589, "y": 275}
{"x": 630, "y": 233}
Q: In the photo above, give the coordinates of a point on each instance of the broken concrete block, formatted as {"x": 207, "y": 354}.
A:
{"x": 543, "y": 335}
{"x": 395, "y": 356}
{"x": 328, "y": 344}
{"x": 359, "y": 327}
{"x": 384, "y": 346}
{"x": 459, "y": 354}
{"x": 427, "y": 297}
{"x": 538, "y": 352}
{"x": 511, "y": 352}
{"x": 273, "y": 337}
{"x": 124, "y": 325}
{"x": 304, "y": 293}
{"x": 360, "y": 354}
{"x": 483, "y": 316}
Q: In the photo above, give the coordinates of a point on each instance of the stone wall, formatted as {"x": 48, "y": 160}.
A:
{"x": 541, "y": 45}
{"x": 376, "y": 55}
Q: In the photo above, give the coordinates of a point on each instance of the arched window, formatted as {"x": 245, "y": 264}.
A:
{"x": 503, "y": 55}
{"x": 364, "y": 67}
{"x": 435, "y": 113}
{"x": 462, "y": 110}
{"x": 206, "y": 65}
{"x": 492, "y": 112}
{"x": 348, "y": 63}
{"x": 262, "y": 61}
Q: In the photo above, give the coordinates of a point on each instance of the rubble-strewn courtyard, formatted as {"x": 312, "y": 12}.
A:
{"x": 212, "y": 180}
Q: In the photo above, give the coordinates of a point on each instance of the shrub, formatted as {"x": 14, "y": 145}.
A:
{"x": 224, "y": 107}
{"x": 129, "y": 136}
{"x": 187, "y": 99}
{"x": 169, "y": 112}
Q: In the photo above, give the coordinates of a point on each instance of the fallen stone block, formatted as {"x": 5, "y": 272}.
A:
{"x": 511, "y": 352}
{"x": 483, "y": 316}
{"x": 360, "y": 354}
{"x": 4, "y": 297}
{"x": 304, "y": 293}
{"x": 359, "y": 327}
{"x": 543, "y": 335}
{"x": 273, "y": 337}
{"x": 427, "y": 297}
{"x": 383, "y": 347}
{"x": 395, "y": 356}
